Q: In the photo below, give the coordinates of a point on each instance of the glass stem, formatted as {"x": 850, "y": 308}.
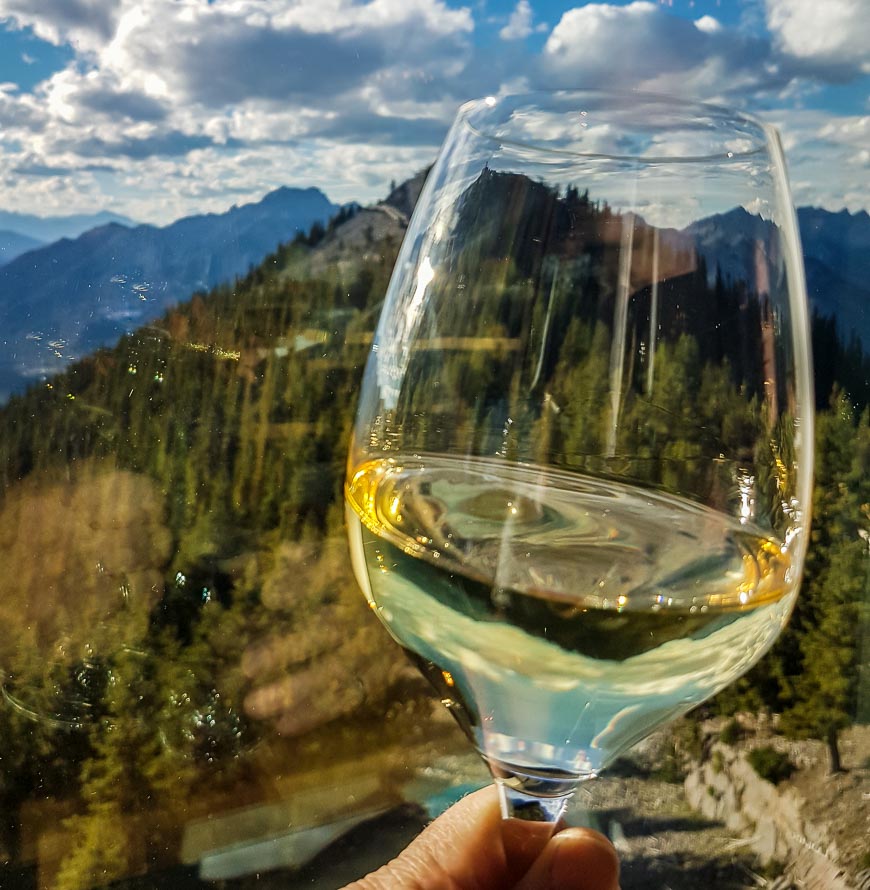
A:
{"x": 532, "y": 796}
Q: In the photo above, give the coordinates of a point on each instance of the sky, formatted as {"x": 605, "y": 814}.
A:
{"x": 162, "y": 108}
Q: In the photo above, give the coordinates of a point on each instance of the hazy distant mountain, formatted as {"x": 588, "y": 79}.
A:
{"x": 62, "y": 301}
{"x": 836, "y": 248}
{"x": 837, "y": 261}
{"x": 13, "y": 244}
{"x": 840, "y": 241}
{"x": 729, "y": 241}
{"x": 51, "y": 228}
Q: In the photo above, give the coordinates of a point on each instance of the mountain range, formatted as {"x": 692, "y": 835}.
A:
{"x": 61, "y": 301}
{"x": 41, "y": 230}
{"x": 837, "y": 262}
{"x": 836, "y": 250}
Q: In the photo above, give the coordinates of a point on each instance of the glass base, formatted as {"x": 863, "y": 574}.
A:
{"x": 533, "y": 795}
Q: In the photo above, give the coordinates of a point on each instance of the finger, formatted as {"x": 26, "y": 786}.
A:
{"x": 574, "y": 859}
{"x": 463, "y": 848}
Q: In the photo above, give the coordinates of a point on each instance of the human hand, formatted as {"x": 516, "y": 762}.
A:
{"x": 470, "y": 847}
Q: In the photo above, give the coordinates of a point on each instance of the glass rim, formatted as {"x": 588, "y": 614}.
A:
{"x": 475, "y": 114}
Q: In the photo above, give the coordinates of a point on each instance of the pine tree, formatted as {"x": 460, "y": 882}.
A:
{"x": 824, "y": 695}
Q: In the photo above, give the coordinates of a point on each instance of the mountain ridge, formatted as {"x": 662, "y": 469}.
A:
{"x": 65, "y": 299}
{"x": 47, "y": 229}
{"x": 836, "y": 253}
{"x": 13, "y": 244}
{"x": 115, "y": 276}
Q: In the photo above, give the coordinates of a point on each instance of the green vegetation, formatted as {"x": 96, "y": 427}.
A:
{"x": 824, "y": 696}
{"x": 770, "y": 764}
{"x": 731, "y": 732}
{"x": 176, "y": 584}
{"x": 198, "y": 604}
{"x": 671, "y": 769}
{"x": 817, "y": 676}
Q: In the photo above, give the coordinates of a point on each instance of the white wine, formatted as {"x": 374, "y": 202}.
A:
{"x": 562, "y": 617}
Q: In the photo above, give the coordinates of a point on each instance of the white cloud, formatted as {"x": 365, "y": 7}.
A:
{"x": 175, "y": 106}
{"x": 85, "y": 24}
{"x": 520, "y": 24}
{"x": 827, "y": 156}
{"x": 641, "y": 45}
{"x": 166, "y": 78}
{"x": 220, "y": 54}
{"x": 834, "y": 33}
{"x": 343, "y": 171}
{"x": 708, "y": 24}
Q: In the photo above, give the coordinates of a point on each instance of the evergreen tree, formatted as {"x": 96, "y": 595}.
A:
{"x": 823, "y": 696}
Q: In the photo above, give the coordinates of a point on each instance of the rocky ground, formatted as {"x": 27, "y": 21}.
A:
{"x": 840, "y": 802}
{"x": 664, "y": 845}
{"x": 661, "y": 842}
{"x": 843, "y": 798}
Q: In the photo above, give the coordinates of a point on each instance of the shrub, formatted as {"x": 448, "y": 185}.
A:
{"x": 670, "y": 770}
{"x": 731, "y": 732}
{"x": 688, "y": 740}
{"x": 770, "y": 764}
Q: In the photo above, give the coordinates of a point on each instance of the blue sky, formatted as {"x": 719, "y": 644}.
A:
{"x": 161, "y": 108}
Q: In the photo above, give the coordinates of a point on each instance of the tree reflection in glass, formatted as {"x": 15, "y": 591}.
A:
{"x": 579, "y": 483}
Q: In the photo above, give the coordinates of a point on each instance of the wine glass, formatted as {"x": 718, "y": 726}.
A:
{"x": 579, "y": 484}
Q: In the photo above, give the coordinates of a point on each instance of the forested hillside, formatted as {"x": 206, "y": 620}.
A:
{"x": 197, "y": 600}
{"x": 171, "y": 520}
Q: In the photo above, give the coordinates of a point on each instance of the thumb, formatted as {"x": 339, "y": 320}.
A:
{"x": 461, "y": 849}
{"x": 470, "y": 847}
{"x": 574, "y": 859}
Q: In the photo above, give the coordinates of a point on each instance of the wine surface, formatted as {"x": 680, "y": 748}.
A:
{"x": 562, "y": 617}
